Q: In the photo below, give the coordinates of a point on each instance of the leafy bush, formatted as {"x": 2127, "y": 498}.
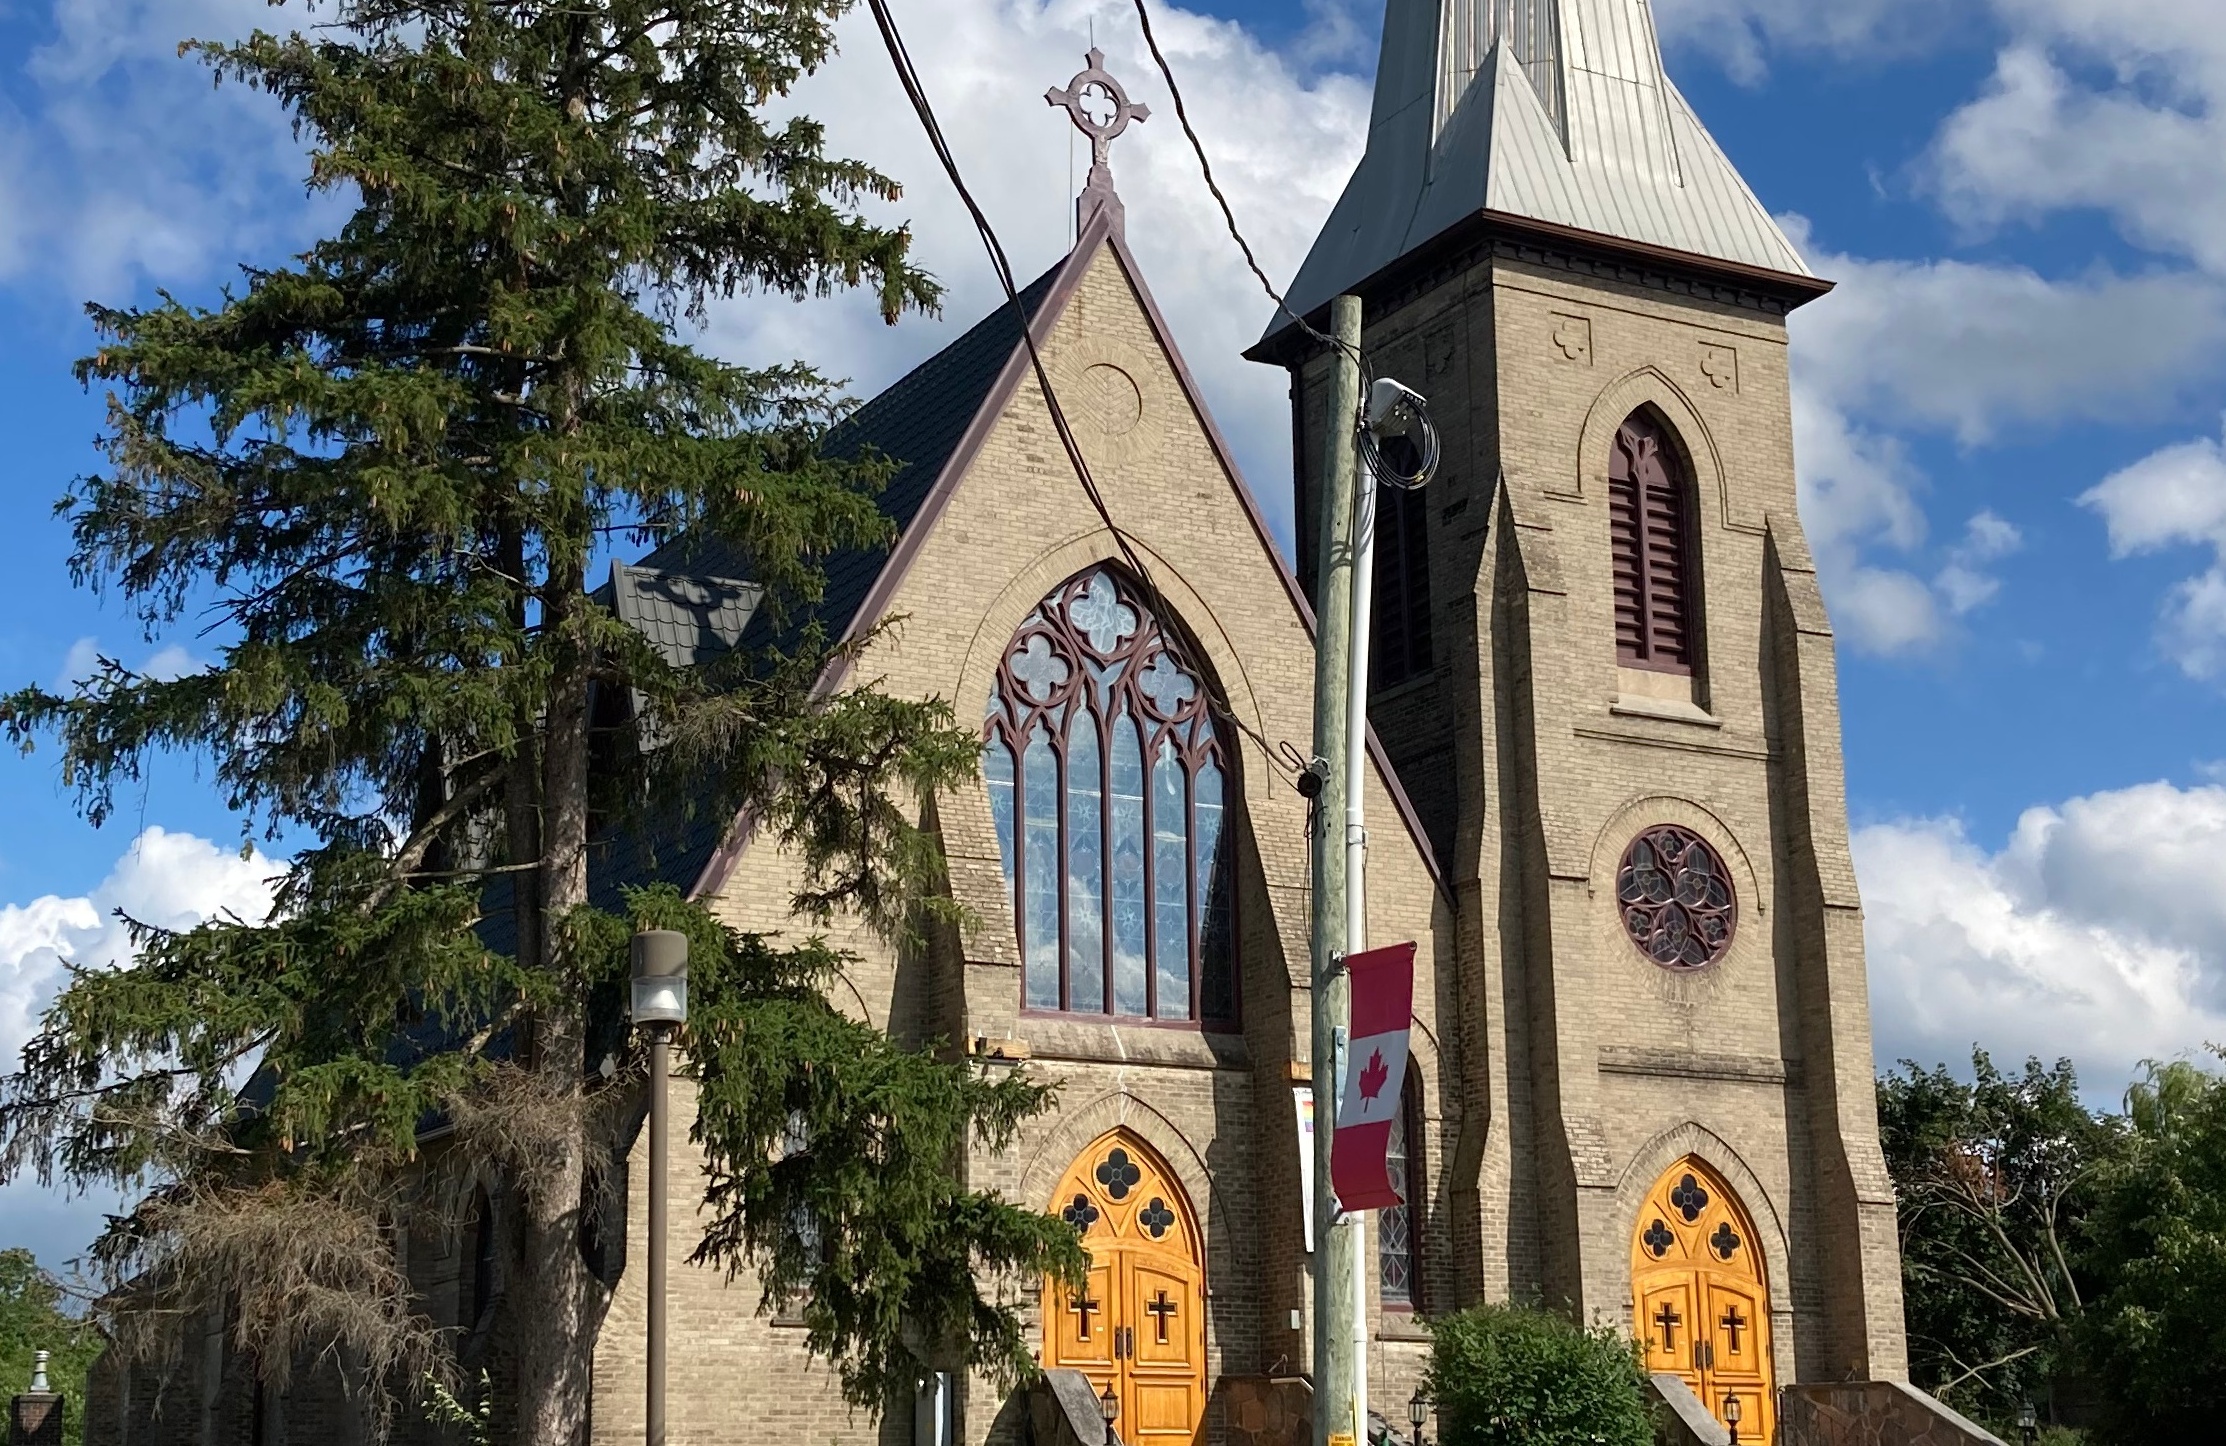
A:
{"x": 1508, "y": 1375}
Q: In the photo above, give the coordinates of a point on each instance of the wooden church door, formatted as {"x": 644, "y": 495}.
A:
{"x": 1139, "y": 1325}
{"x": 1702, "y": 1296}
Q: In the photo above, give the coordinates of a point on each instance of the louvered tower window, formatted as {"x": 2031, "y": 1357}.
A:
{"x": 1649, "y": 520}
{"x": 1399, "y": 645}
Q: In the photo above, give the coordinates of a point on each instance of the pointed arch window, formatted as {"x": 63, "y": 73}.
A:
{"x": 1399, "y": 1227}
{"x": 1650, "y": 528}
{"x": 1110, "y": 789}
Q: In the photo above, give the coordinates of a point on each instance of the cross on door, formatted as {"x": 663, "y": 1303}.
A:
{"x": 1734, "y": 1322}
{"x": 1669, "y": 1320}
{"x": 1083, "y": 1308}
{"x": 1161, "y": 1309}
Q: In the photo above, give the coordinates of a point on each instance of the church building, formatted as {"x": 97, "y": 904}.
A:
{"x": 1604, "y": 795}
{"x": 1604, "y": 791}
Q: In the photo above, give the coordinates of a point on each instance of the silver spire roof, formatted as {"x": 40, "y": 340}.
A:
{"x": 1548, "y": 110}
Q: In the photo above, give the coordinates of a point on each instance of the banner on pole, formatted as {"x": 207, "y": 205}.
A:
{"x": 1382, "y": 984}
{"x": 1303, "y": 1097}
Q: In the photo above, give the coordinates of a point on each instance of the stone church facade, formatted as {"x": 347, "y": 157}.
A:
{"x": 1604, "y": 793}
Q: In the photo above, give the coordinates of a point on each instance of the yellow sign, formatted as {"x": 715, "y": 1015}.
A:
{"x": 1341, "y": 1439}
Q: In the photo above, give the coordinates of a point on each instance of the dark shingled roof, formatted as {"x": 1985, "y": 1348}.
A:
{"x": 917, "y": 423}
{"x": 688, "y": 617}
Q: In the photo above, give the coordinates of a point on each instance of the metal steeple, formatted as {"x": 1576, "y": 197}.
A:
{"x": 1545, "y": 110}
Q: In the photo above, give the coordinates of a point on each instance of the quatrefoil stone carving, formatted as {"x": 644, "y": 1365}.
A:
{"x": 1658, "y": 1239}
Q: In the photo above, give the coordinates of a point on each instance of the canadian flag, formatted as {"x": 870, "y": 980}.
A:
{"x": 1375, "y": 1076}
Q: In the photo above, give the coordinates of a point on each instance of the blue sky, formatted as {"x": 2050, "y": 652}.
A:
{"x": 2009, "y": 418}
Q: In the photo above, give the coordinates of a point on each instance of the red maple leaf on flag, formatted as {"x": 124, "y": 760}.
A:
{"x": 1373, "y": 1076}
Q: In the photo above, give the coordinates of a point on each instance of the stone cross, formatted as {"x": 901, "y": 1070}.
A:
{"x": 1100, "y": 108}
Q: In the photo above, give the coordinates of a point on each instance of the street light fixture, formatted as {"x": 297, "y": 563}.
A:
{"x": 1109, "y": 1406}
{"x": 2028, "y": 1423}
{"x": 1731, "y": 1417}
{"x": 1418, "y": 1412}
{"x": 660, "y": 1007}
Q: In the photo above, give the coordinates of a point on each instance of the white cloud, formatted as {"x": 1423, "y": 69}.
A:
{"x": 1740, "y": 34}
{"x": 174, "y": 880}
{"x": 128, "y": 168}
{"x": 82, "y": 661}
{"x": 1965, "y": 584}
{"x": 1283, "y": 139}
{"x": 170, "y": 879}
{"x": 2096, "y": 931}
{"x": 2173, "y": 497}
{"x": 1972, "y": 352}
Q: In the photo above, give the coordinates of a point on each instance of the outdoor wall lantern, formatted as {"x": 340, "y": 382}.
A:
{"x": 1418, "y": 1412}
{"x": 660, "y": 1007}
{"x": 1731, "y": 1417}
{"x": 1109, "y": 1406}
{"x": 2028, "y": 1423}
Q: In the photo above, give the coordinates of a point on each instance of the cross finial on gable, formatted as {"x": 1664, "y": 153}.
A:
{"x": 1100, "y": 108}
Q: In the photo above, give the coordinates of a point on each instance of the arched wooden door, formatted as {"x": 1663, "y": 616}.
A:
{"x": 1140, "y": 1323}
{"x": 1703, "y": 1297}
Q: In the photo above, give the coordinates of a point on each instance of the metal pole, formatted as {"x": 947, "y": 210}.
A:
{"x": 1356, "y": 852}
{"x": 1334, "y": 1413}
{"x": 660, "y": 1037}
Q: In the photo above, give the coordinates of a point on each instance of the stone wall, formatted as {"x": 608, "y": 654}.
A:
{"x": 1872, "y": 1413}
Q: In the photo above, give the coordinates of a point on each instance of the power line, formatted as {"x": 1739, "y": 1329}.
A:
{"x": 1182, "y": 114}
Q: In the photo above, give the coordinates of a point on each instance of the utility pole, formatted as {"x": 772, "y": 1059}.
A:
{"x": 1336, "y": 1240}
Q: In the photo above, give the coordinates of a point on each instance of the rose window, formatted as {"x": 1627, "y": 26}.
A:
{"x": 1675, "y": 895}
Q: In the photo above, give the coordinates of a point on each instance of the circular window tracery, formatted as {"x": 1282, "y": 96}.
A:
{"x": 1675, "y": 896}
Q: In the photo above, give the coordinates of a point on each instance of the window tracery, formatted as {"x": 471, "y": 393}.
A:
{"x": 1111, "y": 798}
{"x": 1676, "y": 898}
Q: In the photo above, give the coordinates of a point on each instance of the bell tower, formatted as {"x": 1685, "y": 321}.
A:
{"x": 1609, "y": 684}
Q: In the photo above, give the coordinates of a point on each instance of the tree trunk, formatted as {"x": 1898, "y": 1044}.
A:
{"x": 556, "y": 1315}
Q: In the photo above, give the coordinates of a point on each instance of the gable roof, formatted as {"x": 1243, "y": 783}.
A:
{"x": 1555, "y": 112}
{"x": 920, "y": 500}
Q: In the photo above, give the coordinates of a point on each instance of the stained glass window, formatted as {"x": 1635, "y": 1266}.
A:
{"x": 1110, "y": 791}
{"x": 1398, "y": 1227}
{"x": 1676, "y": 898}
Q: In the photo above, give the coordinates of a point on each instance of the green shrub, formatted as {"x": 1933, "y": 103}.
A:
{"x": 1515, "y": 1376}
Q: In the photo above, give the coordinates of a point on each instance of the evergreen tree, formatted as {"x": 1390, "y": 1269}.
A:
{"x": 385, "y": 469}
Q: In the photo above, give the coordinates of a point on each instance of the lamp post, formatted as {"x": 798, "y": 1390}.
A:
{"x": 660, "y": 1007}
{"x": 1418, "y": 1411}
{"x": 1109, "y": 1406}
{"x": 2028, "y": 1423}
{"x": 1731, "y": 1417}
